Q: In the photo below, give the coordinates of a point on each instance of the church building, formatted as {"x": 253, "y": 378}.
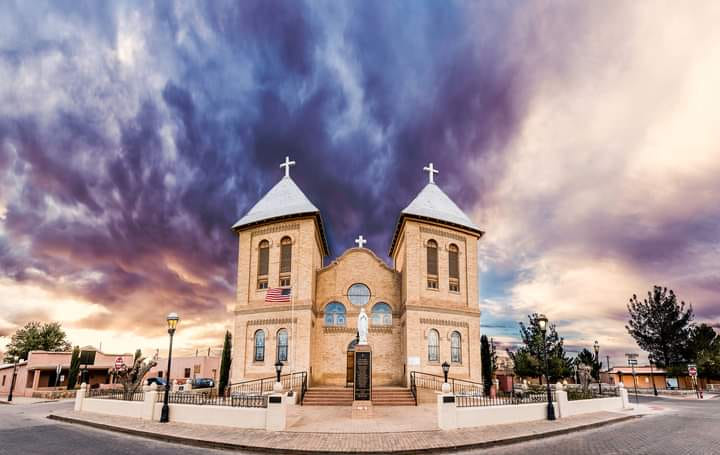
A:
{"x": 422, "y": 310}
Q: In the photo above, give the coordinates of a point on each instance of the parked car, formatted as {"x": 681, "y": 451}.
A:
{"x": 203, "y": 383}
{"x": 156, "y": 380}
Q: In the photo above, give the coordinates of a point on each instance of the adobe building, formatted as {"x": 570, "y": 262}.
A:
{"x": 187, "y": 368}
{"x": 39, "y": 373}
{"x": 423, "y": 309}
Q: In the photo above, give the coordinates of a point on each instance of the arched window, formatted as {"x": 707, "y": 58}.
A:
{"x": 381, "y": 314}
{"x": 432, "y": 264}
{"x": 263, "y": 264}
{"x": 259, "y": 354}
{"x": 335, "y": 314}
{"x": 282, "y": 345}
{"x": 359, "y": 294}
{"x": 433, "y": 346}
{"x": 285, "y": 260}
{"x": 455, "y": 347}
{"x": 453, "y": 268}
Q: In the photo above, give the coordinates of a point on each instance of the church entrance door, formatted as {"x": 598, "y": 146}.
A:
{"x": 350, "y": 375}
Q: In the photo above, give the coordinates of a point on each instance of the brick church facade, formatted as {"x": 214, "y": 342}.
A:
{"x": 423, "y": 310}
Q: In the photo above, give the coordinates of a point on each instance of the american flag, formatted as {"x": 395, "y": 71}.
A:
{"x": 278, "y": 295}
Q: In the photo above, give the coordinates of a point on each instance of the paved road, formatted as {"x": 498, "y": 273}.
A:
{"x": 678, "y": 427}
{"x": 25, "y": 430}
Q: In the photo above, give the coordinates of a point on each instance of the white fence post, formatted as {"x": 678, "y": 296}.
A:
{"x": 447, "y": 412}
{"x": 276, "y": 418}
{"x": 149, "y": 400}
{"x": 561, "y": 397}
{"x": 624, "y": 395}
{"x": 80, "y": 397}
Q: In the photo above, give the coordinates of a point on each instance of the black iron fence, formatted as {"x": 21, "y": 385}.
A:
{"x": 419, "y": 380}
{"x": 261, "y": 386}
{"x": 213, "y": 399}
{"x": 580, "y": 394}
{"x": 115, "y": 394}
{"x": 468, "y": 401}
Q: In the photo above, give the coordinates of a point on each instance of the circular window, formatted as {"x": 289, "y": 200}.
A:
{"x": 359, "y": 294}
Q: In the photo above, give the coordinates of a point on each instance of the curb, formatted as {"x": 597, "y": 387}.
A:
{"x": 205, "y": 443}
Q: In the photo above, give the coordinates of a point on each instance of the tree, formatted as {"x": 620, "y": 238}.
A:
{"x": 132, "y": 378}
{"x": 225, "y": 362}
{"x": 74, "y": 368}
{"x": 703, "y": 348}
{"x": 529, "y": 359}
{"x": 661, "y": 325}
{"x": 35, "y": 336}
{"x": 486, "y": 361}
{"x": 588, "y": 358}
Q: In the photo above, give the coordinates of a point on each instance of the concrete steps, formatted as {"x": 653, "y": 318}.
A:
{"x": 343, "y": 396}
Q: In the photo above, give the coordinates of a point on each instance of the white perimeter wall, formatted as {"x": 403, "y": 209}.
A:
{"x": 226, "y": 416}
{"x": 113, "y": 407}
{"x": 571, "y": 408}
{"x": 497, "y": 415}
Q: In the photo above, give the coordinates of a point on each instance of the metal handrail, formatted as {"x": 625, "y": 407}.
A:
{"x": 264, "y": 385}
{"x": 413, "y": 387}
{"x": 418, "y": 379}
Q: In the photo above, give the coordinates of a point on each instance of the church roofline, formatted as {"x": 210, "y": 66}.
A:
{"x": 357, "y": 249}
{"x": 316, "y": 215}
{"x": 404, "y": 216}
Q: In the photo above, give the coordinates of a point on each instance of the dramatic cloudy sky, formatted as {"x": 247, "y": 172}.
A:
{"x": 582, "y": 136}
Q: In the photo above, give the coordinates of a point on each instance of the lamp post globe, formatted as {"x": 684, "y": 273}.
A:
{"x": 278, "y": 369}
{"x": 542, "y": 324}
{"x": 445, "y": 369}
{"x": 172, "y": 322}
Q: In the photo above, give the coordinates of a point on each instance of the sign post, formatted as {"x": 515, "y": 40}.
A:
{"x": 632, "y": 361}
{"x": 692, "y": 371}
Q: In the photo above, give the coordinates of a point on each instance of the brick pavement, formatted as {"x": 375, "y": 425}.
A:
{"x": 374, "y": 442}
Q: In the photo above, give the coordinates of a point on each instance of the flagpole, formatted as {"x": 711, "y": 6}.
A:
{"x": 292, "y": 327}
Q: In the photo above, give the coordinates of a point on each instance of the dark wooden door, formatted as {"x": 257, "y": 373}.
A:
{"x": 350, "y": 368}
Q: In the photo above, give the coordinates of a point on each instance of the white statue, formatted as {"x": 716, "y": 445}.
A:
{"x": 362, "y": 327}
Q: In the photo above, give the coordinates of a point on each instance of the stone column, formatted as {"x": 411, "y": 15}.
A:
{"x": 80, "y": 397}
{"x": 561, "y": 399}
{"x": 622, "y": 391}
{"x": 150, "y": 399}
{"x": 446, "y": 411}
{"x": 276, "y": 418}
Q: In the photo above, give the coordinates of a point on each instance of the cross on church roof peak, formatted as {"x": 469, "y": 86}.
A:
{"x": 287, "y": 165}
{"x": 430, "y": 169}
{"x": 360, "y": 241}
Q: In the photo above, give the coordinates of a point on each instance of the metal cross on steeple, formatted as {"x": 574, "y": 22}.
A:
{"x": 287, "y": 165}
{"x": 360, "y": 241}
{"x": 431, "y": 171}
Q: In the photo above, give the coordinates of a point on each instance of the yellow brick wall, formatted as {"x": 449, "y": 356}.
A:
{"x": 323, "y": 350}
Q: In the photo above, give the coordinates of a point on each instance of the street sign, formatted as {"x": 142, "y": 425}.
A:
{"x": 692, "y": 370}
{"x": 632, "y": 362}
{"x": 119, "y": 363}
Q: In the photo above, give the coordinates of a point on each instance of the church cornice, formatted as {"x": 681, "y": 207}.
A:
{"x": 358, "y": 250}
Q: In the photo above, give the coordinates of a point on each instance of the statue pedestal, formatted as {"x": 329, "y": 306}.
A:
{"x": 362, "y": 385}
{"x": 362, "y": 407}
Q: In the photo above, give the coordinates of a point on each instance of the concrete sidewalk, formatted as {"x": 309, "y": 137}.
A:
{"x": 324, "y": 442}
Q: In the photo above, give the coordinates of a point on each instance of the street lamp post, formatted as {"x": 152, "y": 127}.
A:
{"x": 446, "y": 369}
{"x": 542, "y": 323}
{"x": 651, "y": 359}
{"x": 12, "y": 380}
{"x": 172, "y": 322}
{"x": 596, "y": 348}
